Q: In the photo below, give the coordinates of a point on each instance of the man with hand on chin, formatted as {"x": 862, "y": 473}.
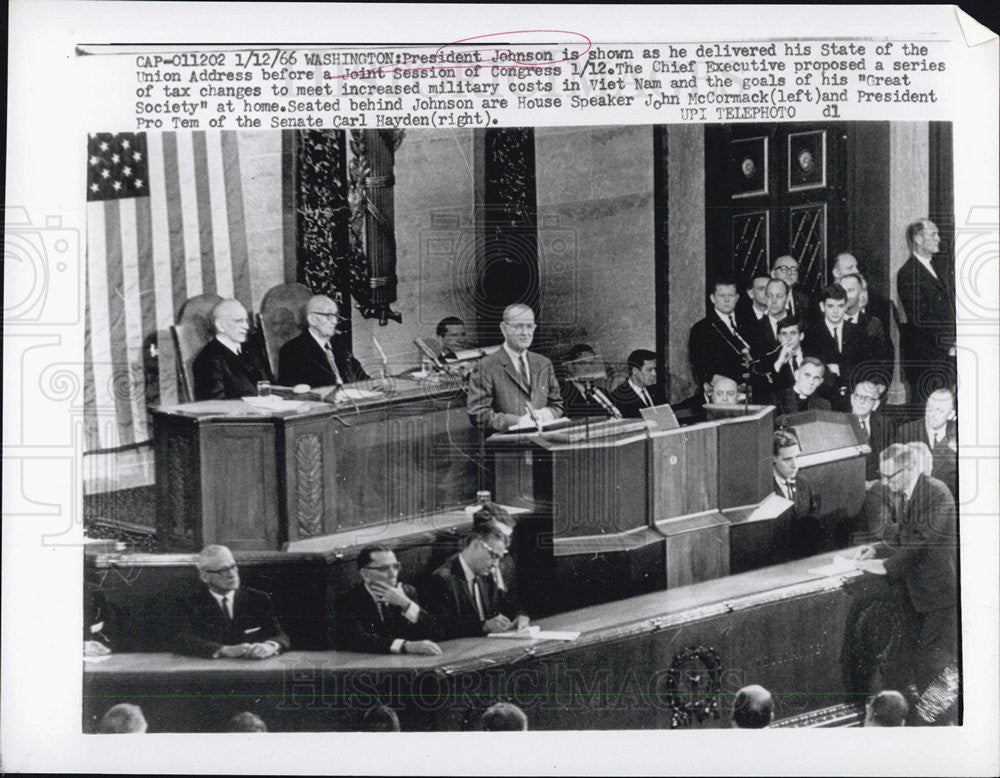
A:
{"x": 380, "y": 614}
{"x": 220, "y": 619}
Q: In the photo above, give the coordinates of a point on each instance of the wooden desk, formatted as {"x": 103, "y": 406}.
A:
{"x": 632, "y": 666}
{"x": 229, "y": 473}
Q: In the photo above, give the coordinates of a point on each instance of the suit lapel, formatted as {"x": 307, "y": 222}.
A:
{"x": 317, "y": 354}
{"x": 463, "y": 587}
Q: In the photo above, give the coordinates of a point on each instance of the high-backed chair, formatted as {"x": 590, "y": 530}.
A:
{"x": 190, "y": 334}
{"x": 281, "y": 317}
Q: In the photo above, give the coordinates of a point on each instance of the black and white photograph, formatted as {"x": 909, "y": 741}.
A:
{"x": 595, "y": 427}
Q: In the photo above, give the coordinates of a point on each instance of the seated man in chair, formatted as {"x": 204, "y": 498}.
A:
{"x": 228, "y": 368}
{"x": 313, "y": 358}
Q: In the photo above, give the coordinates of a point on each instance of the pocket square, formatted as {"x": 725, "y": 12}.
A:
{"x": 252, "y": 629}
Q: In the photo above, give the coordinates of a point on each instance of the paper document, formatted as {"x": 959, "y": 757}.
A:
{"x": 840, "y": 564}
{"x": 534, "y": 633}
{"x": 772, "y": 505}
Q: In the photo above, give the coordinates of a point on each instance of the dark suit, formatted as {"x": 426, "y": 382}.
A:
{"x": 945, "y": 452}
{"x": 577, "y": 404}
{"x": 875, "y": 360}
{"x": 200, "y": 628}
{"x": 452, "y": 603}
{"x": 877, "y": 439}
{"x": 881, "y": 308}
{"x": 746, "y": 318}
{"x": 630, "y": 403}
{"x": 921, "y": 553}
{"x": 713, "y": 349}
{"x": 788, "y": 401}
{"x": 219, "y": 374}
{"x": 820, "y": 343}
{"x": 806, "y": 532}
{"x": 929, "y": 305}
{"x": 497, "y": 396}
{"x": 303, "y": 361}
{"x": 358, "y": 626}
{"x": 804, "y": 306}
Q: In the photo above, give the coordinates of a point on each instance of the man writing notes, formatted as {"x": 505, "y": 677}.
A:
{"x": 220, "y": 619}
{"x": 514, "y": 386}
{"x": 380, "y": 615}
{"x": 227, "y": 369}
{"x": 312, "y": 357}
{"x": 466, "y": 593}
{"x": 920, "y": 553}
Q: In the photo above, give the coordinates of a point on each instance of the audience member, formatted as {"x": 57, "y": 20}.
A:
{"x": 938, "y": 429}
{"x": 466, "y": 594}
{"x": 787, "y": 269}
{"x": 774, "y": 370}
{"x": 926, "y": 289}
{"x": 451, "y": 336}
{"x": 753, "y": 708}
{"x": 721, "y": 391}
{"x": 313, "y": 357}
{"x": 872, "y": 303}
{"x": 921, "y": 556}
{"x": 837, "y": 344}
{"x": 715, "y": 344}
{"x": 876, "y": 354}
{"x": 246, "y": 722}
{"x": 640, "y": 390}
{"x": 380, "y": 615}
{"x": 514, "y": 386}
{"x": 864, "y": 416}
{"x": 752, "y": 307}
{"x": 219, "y": 619}
{"x": 802, "y": 395}
{"x": 886, "y": 709}
{"x": 123, "y": 719}
{"x": 228, "y": 367}
{"x": 380, "y": 718}
{"x": 805, "y": 536}
{"x": 503, "y": 717}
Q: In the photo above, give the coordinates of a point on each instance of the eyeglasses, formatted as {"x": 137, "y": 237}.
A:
{"x": 787, "y": 269}
{"x": 521, "y": 327}
{"x": 865, "y": 398}
{"x": 324, "y": 314}
{"x": 394, "y": 567}
{"x": 221, "y": 570}
{"x": 890, "y": 476}
{"x": 496, "y": 556}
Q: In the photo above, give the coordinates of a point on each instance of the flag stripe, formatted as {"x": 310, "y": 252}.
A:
{"x": 147, "y": 282}
{"x": 131, "y": 293}
{"x": 203, "y": 201}
{"x": 237, "y": 221}
{"x": 116, "y": 321}
{"x": 175, "y": 228}
{"x": 91, "y": 436}
{"x": 189, "y": 215}
{"x": 164, "y": 281}
{"x": 100, "y": 337}
{"x": 219, "y": 216}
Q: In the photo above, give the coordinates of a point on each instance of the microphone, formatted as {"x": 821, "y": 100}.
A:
{"x": 601, "y": 399}
{"x": 426, "y": 350}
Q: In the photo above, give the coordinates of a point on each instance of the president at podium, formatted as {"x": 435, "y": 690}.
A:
{"x": 514, "y": 386}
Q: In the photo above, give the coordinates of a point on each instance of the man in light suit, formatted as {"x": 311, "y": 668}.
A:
{"x": 228, "y": 368}
{"x": 220, "y": 619}
{"x": 312, "y": 357}
{"x": 920, "y": 553}
{"x": 927, "y": 293}
{"x": 511, "y": 379}
{"x": 380, "y": 615}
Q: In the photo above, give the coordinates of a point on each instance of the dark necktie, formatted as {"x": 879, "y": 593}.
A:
{"x": 864, "y": 426}
{"x": 477, "y": 596}
{"x": 522, "y": 368}
{"x": 795, "y": 363}
{"x": 791, "y": 490}
{"x": 646, "y": 398}
{"x": 732, "y": 323}
{"x": 226, "y": 609}
{"x": 328, "y": 349}
{"x": 836, "y": 338}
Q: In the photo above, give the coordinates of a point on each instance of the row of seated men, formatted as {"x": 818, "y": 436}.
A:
{"x": 465, "y": 597}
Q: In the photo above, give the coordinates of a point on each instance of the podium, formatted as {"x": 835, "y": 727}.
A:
{"x": 256, "y": 479}
{"x": 635, "y": 508}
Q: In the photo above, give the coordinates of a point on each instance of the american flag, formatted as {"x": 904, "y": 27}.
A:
{"x": 165, "y": 222}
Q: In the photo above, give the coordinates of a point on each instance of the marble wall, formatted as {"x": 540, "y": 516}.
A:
{"x": 595, "y": 238}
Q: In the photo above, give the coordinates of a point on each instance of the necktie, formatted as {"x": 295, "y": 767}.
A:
{"x": 477, "y": 596}
{"x": 522, "y": 366}
{"x": 791, "y": 490}
{"x": 227, "y": 607}
{"x": 795, "y": 363}
{"x": 333, "y": 362}
{"x": 864, "y": 426}
{"x": 836, "y": 337}
{"x": 381, "y": 610}
{"x": 774, "y": 327}
{"x": 647, "y": 398}
{"x": 732, "y": 323}
{"x": 791, "y": 302}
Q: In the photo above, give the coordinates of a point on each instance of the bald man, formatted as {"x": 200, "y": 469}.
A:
{"x": 313, "y": 357}
{"x": 786, "y": 267}
{"x": 753, "y": 708}
{"x": 227, "y": 368}
{"x": 938, "y": 429}
{"x": 872, "y": 303}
